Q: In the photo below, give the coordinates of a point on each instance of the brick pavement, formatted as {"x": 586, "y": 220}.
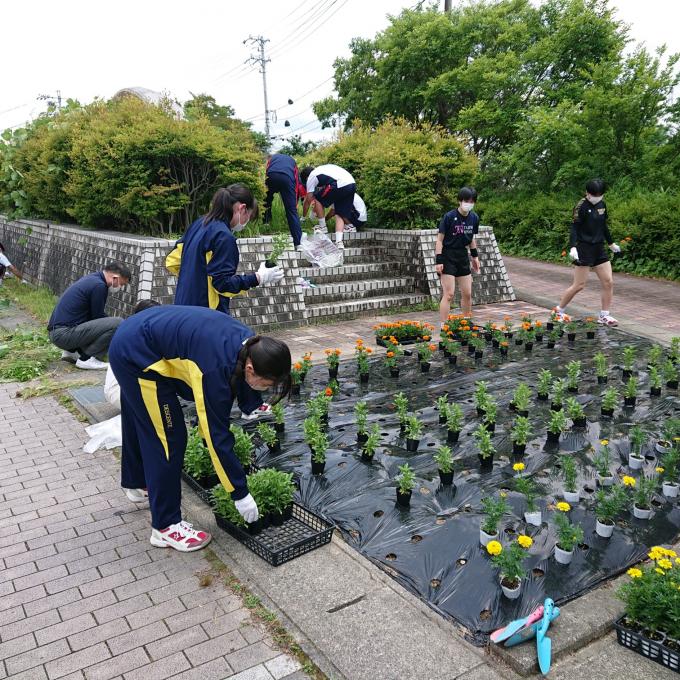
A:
{"x": 82, "y": 592}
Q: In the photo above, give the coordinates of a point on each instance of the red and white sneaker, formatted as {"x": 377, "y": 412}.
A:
{"x": 607, "y": 320}
{"x": 264, "y": 410}
{"x": 181, "y": 536}
{"x": 137, "y": 495}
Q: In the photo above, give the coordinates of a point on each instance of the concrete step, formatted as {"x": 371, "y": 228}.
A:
{"x": 355, "y": 290}
{"x": 350, "y": 272}
{"x": 350, "y": 309}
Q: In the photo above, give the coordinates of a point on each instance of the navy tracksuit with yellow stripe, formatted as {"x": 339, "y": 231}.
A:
{"x": 156, "y": 355}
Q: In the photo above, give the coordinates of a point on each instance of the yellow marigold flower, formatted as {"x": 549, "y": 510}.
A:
{"x": 634, "y": 573}
{"x": 659, "y": 469}
{"x": 503, "y": 494}
{"x": 563, "y": 506}
{"x": 677, "y": 561}
{"x": 604, "y": 442}
{"x": 518, "y": 467}
{"x": 628, "y": 481}
{"x": 494, "y": 548}
{"x": 665, "y": 563}
{"x": 671, "y": 553}
{"x": 660, "y": 571}
{"x": 525, "y": 541}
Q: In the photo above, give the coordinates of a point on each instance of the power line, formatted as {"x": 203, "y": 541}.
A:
{"x": 14, "y": 108}
{"x": 292, "y": 37}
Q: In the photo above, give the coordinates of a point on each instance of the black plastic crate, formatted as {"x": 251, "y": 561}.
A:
{"x": 303, "y": 532}
{"x": 654, "y": 650}
{"x": 203, "y": 494}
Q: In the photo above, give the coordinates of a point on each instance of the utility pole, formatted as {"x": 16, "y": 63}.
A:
{"x": 261, "y": 61}
{"x": 447, "y": 5}
{"x": 49, "y": 98}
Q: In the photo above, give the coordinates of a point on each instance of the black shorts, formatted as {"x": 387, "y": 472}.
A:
{"x": 342, "y": 200}
{"x": 456, "y": 262}
{"x": 591, "y": 254}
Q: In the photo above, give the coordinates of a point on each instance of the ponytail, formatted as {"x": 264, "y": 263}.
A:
{"x": 271, "y": 360}
{"x": 222, "y": 204}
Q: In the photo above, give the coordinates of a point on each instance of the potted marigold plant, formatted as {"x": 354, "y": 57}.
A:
{"x": 509, "y": 562}
{"x": 637, "y": 439}
{"x": 669, "y": 464}
{"x": 394, "y": 352}
{"x": 670, "y": 374}
{"x": 504, "y": 348}
{"x": 361, "y": 416}
{"x": 371, "y": 444}
{"x": 280, "y": 243}
{"x": 609, "y": 503}
{"x": 627, "y": 361}
{"x": 601, "y": 369}
{"x": 279, "y": 414}
{"x": 452, "y": 350}
{"x": 507, "y": 327}
{"x": 273, "y": 492}
{"x": 610, "y": 400}
{"x": 520, "y": 399}
{"x": 538, "y": 329}
{"x": 425, "y": 351}
{"x": 444, "y": 460}
{"x": 553, "y": 337}
{"x": 306, "y": 364}
{"x": 401, "y": 407}
{"x": 481, "y": 397}
{"x": 486, "y": 448}
{"x": 654, "y": 382}
{"x": 630, "y": 392}
{"x": 244, "y": 448}
{"x": 296, "y": 378}
{"x": 654, "y": 356}
{"x": 361, "y": 353}
{"x": 590, "y": 325}
{"x": 478, "y": 345}
{"x": 573, "y": 376}
{"x": 197, "y": 462}
{"x": 571, "y": 493}
{"x": 414, "y": 430}
{"x": 319, "y": 446}
{"x": 496, "y": 338}
{"x": 454, "y": 422}
{"x": 543, "y": 383}
{"x": 571, "y": 327}
{"x": 490, "y": 413}
{"x": 333, "y": 361}
{"x": 576, "y": 413}
{"x": 568, "y": 535}
{"x": 268, "y": 435}
{"x": 442, "y": 406}
{"x": 602, "y": 462}
{"x": 527, "y": 487}
{"x": 520, "y": 434}
{"x": 556, "y": 426}
{"x": 493, "y": 510}
{"x": 406, "y": 480}
{"x": 559, "y": 389}
{"x": 645, "y": 486}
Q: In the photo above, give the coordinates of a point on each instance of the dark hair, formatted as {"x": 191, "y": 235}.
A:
{"x": 271, "y": 360}
{"x": 222, "y": 204}
{"x": 144, "y": 304}
{"x": 305, "y": 173}
{"x": 2, "y": 248}
{"x": 595, "y": 187}
{"x": 120, "y": 269}
{"x": 467, "y": 194}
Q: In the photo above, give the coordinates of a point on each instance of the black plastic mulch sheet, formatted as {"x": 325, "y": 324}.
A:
{"x": 433, "y": 548}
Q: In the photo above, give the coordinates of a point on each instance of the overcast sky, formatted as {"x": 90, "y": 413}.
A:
{"x": 89, "y": 49}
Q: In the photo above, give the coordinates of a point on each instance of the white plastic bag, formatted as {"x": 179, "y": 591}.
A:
{"x": 105, "y": 435}
{"x": 319, "y": 250}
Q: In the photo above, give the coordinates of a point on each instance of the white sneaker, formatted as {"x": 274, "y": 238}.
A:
{"x": 350, "y": 228}
{"x": 263, "y": 410}
{"x": 318, "y": 229}
{"x": 70, "y": 356}
{"x": 92, "y": 364}
{"x": 340, "y": 244}
{"x": 181, "y": 536}
{"x": 137, "y": 495}
{"x": 607, "y": 320}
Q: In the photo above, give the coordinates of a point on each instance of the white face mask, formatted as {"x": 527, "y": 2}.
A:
{"x": 114, "y": 289}
{"x": 240, "y": 227}
{"x": 593, "y": 199}
{"x": 467, "y": 207}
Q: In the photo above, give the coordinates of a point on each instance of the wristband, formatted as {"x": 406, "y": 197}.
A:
{"x": 474, "y": 252}
{"x": 439, "y": 259}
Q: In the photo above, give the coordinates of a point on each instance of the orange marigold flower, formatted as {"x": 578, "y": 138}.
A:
{"x": 426, "y": 337}
{"x": 390, "y": 354}
{"x": 538, "y": 324}
{"x": 506, "y": 318}
{"x": 564, "y": 253}
{"x": 432, "y": 347}
{"x": 297, "y": 366}
{"x": 328, "y": 392}
{"x": 628, "y": 238}
{"x": 369, "y": 350}
{"x": 327, "y": 352}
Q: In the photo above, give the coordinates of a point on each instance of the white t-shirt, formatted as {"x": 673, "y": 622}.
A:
{"x": 4, "y": 261}
{"x": 360, "y": 207}
{"x": 340, "y": 175}
{"x": 112, "y": 389}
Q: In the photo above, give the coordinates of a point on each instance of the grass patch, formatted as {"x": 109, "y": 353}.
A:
{"x": 37, "y": 301}
{"x": 283, "y": 639}
{"x": 67, "y": 402}
{"x": 25, "y": 354}
{"x": 49, "y": 386}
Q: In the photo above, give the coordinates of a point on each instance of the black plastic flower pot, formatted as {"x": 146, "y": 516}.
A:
{"x": 590, "y": 335}
{"x": 518, "y": 450}
{"x": 512, "y": 407}
{"x": 255, "y": 527}
{"x": 480, "y": 412}
{"x": 523, "y": 412}
{"x": 539, "y": 337}
{"x": 362, "y": 437}
{"x": 555, "y": 407}
{"x": 608, "y": 412}
{"x": 412, "y": 444}
{"x": 485, "y": 464}
{"x": 504, "y": 351}
{"x": 446, "y": 478}
{"x": 278, "y": 518}
{"x": 463, "y": 342}
{"x": 495, "y": 344}
{"x": 672, "y": 384}
{"x": 490, "y": 427}
{"x": 488, "y": 336}
{"x": 479, "y": 354}
{"x": 528, "y": 346}
{"x": 553, "y": 437}
{"x": 318, "y": 468}
{"x": 629, "y": 401}
{"x": 550, "y": 325}
{"x": 580, "y": 423}
{"x": 394, "y": 372}
{"x": 280, "y": 427}
{"x": 295, "y": 389}
{"x": 363, "y": 378}
{"x": 571, "y": 337}
{"x": 601, "y": 379}
{"x": 404, "y": 499}
{"x": 275, "y": 447}
{"x": 366, "y": 457}
{"x": 446, "y": 352}
{"x": 442, "y": 418}
{"x": 452, "y": 437}
{"x": 425, "y": 367}
{"x": 303, "y": 376}
{"x": 625, "y": 374}
{"x": 573, "y": 390}
{"x": 441, "y": 345}
{"x": 453, "y": 359}
{"x": 269, "y": 264}
{"x": 550, "y": 344}
{"x": 508, "y": 334}
{"x": 654, "y": 391}
{"x": 518, "y": 341}
{"x": 333, "y": 373}
{"x": 542, "y": 397}
{"x": 471, "y": 349}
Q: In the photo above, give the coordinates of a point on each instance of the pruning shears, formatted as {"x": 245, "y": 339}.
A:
{"x": 543, "y": 642}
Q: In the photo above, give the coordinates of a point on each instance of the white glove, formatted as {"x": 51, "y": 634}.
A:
{"x": 26, "y": 282}
{"x": 615, "y": 247}
{"x": 303, "y": 219}
{"x": 267, "y": 275}
{"x": 247, "y": 508}
{"x": 573, "y": 253}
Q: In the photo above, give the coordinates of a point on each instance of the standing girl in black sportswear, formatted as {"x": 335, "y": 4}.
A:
{"x": 589, "y": 232}
{"x": 457, "y": 231}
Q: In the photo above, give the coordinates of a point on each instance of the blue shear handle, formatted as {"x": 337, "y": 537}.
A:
{"x": 544, "y": 643}
{"x": 530, "y": 632}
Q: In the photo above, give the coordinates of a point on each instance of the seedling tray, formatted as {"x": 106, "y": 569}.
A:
{"x": 203, "y": 494}
{"x": 654, "y": 650}
{"x": 303, "y": 532}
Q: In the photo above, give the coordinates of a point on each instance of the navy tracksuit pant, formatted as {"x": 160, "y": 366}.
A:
{"x": 280, "y": 183}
